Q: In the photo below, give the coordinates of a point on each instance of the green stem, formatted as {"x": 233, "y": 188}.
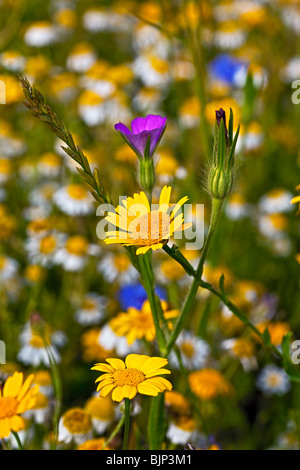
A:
{"x": 20, "y": 446}
{"x": 127, "y": 423}
{"x": 189, "y": 302}
{"x": 114, "y": 432}
{"x": 148, "y": 283}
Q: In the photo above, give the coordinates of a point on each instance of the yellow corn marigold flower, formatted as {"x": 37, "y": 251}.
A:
{"x": 139, "y": 374}
{"x": 208, "y": 384}
{"x": 16, "y": 398}
{"x": 138, "y": 324}
{"x": 177, "y": 403}
{"x": 94, "y": 444}
{"x": 277, "y": 330}
{"x": 145, "y": 228}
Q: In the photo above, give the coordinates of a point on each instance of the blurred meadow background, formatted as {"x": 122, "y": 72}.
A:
{"x": 100, "y": 62}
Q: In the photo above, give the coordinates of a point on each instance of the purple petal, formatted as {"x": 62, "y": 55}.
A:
{"x": 138, "y": 125}
{"x": 148, "y": 123}
{"x": 122, "y": 128}
{"x": 139, "y": 141}
{"x": 154, "y": 122}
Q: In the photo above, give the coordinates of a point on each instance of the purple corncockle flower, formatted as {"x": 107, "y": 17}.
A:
{"x": 151, "y": 127}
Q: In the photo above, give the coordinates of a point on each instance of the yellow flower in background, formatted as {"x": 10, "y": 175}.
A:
{"x": 277, "y": 330}
{"x": 208, "y": 384}
{"x": 137, "y": 324}
{"x": 16, "y": 398}
{"x": 94, "y": 444}
{"x": 296, "y": 199}
{"x": 145, "y": 228}
{"x": 139, "y": 374}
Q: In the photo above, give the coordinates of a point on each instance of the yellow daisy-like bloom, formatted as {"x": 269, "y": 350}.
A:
{"x": 138, "y": 324}
{"x": 139, "y": 374}
{"x": 296, "y": 199}
{"x": 16, "y": 398}
{"x": 145, "y": 228}
{"x": 94, "y": 444}
{"x": 208, "y": 384}
{"x": 277, "y": 330}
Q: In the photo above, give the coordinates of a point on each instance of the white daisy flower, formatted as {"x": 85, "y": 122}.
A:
{"x": 275, "y": 201}
{"x": 44, "y": 250}
{"x": 75, "y": 425}
{"x": 92, "y": 309}
{"x": 291, "y": 71}
{"x": 8, "y": 268}
{"x": 272, "y": 225}
{"x": 41, "y": 33}
{"x": 49, "y": 165}
{"x": 102, "y": 411}
{"x": 74, "y": 199}
{"x": 33, "y": 351}
{"x": 97, "y": 20}
{"x": 236, "y": 207}
{"x": 73, "y": 256}
{"x": 228, "y": 36}
{"x": 12, "y": 60}
{"x": 273, "y": 380}
{"x": 182, "y": 430}
{"x": 81, "y": 58}
{"x": 152, "y": 70}
{"x": 117, "y": 267}
{"x": 194, "y": 351}
{"x": 109, "y": 341}
{"x": 243, "y": 350}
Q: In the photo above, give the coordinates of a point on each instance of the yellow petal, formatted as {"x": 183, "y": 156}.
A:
{"x": 129, "y": 391}
{"x": 4, "y": 428}
{"x": 135, "y": 361}
{"x": 117, "y": 394}
{"x": 12, "y": 385}
{"x": 116, "y": 363}
{"x": 17, "y": 423}
{"x": 153, "y": 364}
{"x": 106, "y": 390}
{"x": 165, "y": 195}
{"x": 295, "y": 200}
{"x": 25, "y": 387}
{"x": 148, "y": 389}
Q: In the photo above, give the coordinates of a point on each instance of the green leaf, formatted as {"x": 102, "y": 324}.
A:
{"x": 285, "y": 346}
{"x": 221, "y": 284}
{"x": 230, "y": 127}
{"x": 266, "y": 337}
{"x": 292, "y": 372}
{"x": 232, "y": 149}
{"x": 156, "y": 429}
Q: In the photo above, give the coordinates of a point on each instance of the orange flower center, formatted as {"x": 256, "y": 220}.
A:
{"x": 47, "y": 244}
{"x": 121, "y": 262}
{"x": 76, "y": 191}
{"x": 77, "y": 246}
{"x": 151, "y": 228}
{"x": 187, "y": 349}
{"x": 128, "y": 377}
{"x": 8, "y": 406}
{"x": 77, "y": 421}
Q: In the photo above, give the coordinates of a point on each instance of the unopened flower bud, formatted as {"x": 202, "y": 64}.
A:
{"x": 221, "y": 169}
{"x": 146, "y": 174}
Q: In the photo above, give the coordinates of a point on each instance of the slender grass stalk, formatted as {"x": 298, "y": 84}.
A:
{"x": 114, "y": 432}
